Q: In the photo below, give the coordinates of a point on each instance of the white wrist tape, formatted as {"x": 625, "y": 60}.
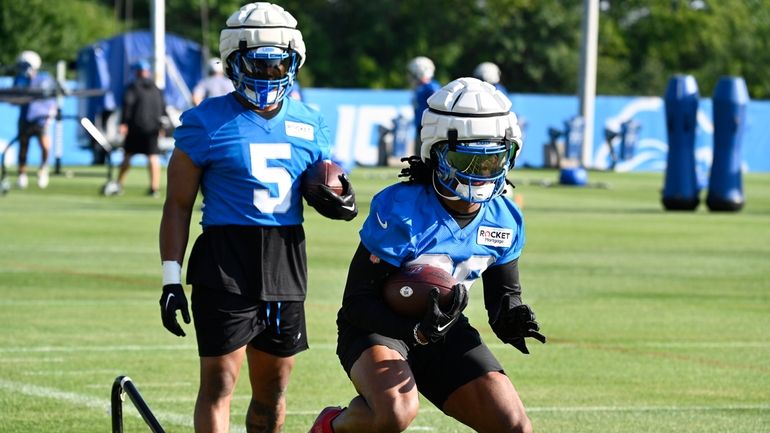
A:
{"x": 172, "y": 272}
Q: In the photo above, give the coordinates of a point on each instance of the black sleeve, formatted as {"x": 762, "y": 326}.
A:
{"x": 499, "y": 280}
{"x": 162, "y": 103}
{"x": 129, "y": 101}
{"x": 362, "y": 303}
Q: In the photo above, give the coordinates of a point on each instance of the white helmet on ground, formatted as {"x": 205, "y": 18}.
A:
{"x": 487, "y": 71}
{"x": 421, "y": 68}
{"x": 470, "y": 138}
{"x": 262, "y": 50}
{"x": 30, "y": 58}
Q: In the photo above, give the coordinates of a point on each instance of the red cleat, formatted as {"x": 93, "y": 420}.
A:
{"x": 323, "y": 424}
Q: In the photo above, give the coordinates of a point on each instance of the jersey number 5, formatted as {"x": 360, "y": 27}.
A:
{"x": 260, "y": 153}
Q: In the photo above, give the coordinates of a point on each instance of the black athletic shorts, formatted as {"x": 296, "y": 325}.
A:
{"x": 439, "y": 368}
{"x": 141, "y": 143}
{"x": 32, "y": 129}
{"x": 227, "y": 321}
{"x": 262, "y": 262}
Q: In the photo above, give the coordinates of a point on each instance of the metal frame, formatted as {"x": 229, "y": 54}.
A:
{"x": 122, "y": 386}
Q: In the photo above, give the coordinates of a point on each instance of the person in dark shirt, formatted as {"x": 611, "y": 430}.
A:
{"x": 143, "y": 109}
{"x": 451, "y": 213}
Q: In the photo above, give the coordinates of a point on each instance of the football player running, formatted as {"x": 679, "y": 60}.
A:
{"x": 420, "y": 71}
{"x": 246, "y": 152}
{"x": 450, "y": 213}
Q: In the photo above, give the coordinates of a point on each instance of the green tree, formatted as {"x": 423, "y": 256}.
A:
{"x": 56, "y": 30}
{"x": 367, "y": 44}
{"x": 706, "y": 39}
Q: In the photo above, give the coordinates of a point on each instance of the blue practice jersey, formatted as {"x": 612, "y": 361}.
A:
{"x": 252, "y": 166}
{"x": 408, "y": 225}
{"x": 38, "y": 111}
{"x": 420, "y": 101}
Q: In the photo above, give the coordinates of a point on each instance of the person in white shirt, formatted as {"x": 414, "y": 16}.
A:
{"x": 216, "y": 84}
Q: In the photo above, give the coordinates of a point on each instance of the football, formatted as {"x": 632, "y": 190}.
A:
{"x": 407, "y": 292}
{"x": 324, "y": 172}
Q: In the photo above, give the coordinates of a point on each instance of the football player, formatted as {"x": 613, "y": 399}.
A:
{"x": 246, "y": 152}
{"x": 490, "y": 72}
{"x": 450, "y": 213}
{"x": 215, "y": 84}
{"x": 420, "y": 71}
{"x": 35, "y": 117}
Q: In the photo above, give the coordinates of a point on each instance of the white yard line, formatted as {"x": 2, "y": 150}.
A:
{"x": 59, "y": 373}
{"x": 164, "y": 417}
{"x": 731, "y": 407}
{"x": 80, "y": 349}
{"x": 70, "y": 303}
{"x": 99, "y": 404}
{"x": 333, "y": 346}
{"x": 29, "y": 359}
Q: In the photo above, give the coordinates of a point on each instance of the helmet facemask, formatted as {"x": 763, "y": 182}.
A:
{"x": 263, "y": 75}
{"x": 24, "y": 69}
{"x": 473, "y": 170}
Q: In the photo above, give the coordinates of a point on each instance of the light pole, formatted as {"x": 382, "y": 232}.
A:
{"x": 158, "y": 18}
{"x": 587, "y": 76}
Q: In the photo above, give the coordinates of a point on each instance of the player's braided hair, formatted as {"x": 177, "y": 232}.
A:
{"x": 417, "y": 171}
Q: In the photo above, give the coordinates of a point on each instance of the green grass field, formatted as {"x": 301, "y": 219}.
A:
{"x": 657, "y": 321}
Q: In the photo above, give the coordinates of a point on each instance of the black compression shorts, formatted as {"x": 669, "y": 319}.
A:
{"x": 226, "y": 321}
{"x": 439, "y": 368}
{"x": 141, "y": 143}
{"x": 32, "y": 129}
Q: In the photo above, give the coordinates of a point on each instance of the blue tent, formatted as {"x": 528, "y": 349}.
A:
{"x": 106, "y": 64}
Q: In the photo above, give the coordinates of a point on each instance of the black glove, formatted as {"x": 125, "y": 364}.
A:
{"x": 436, "y": 323}
{"x": 331, "y": 205}
{"x": 173, "y": 299}
{"x": 513, "y": 323}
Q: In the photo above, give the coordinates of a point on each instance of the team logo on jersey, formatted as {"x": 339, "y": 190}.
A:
{"x": 383, "y": 224}
{"x": 299, "y": 130}
{"x": 494, "y": 236}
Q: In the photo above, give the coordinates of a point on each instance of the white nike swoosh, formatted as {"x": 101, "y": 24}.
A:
{"x": 351, "y": 208}
{"x": 170, "y": 295}
{"x": 384, "y": 225}
{"x": 441, "y": 328}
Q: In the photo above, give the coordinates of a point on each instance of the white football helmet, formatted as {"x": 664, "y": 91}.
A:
{"x": 487, "y": 71}
{"x": 262, "y": 50}
{"x": 421, "y": 68}
{"x": 215, "y": 66}
{"x": 28, "y": 60}
{"x": 470, "y": 138}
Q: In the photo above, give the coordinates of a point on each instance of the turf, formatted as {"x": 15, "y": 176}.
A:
{"x": 657, "y": 321}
